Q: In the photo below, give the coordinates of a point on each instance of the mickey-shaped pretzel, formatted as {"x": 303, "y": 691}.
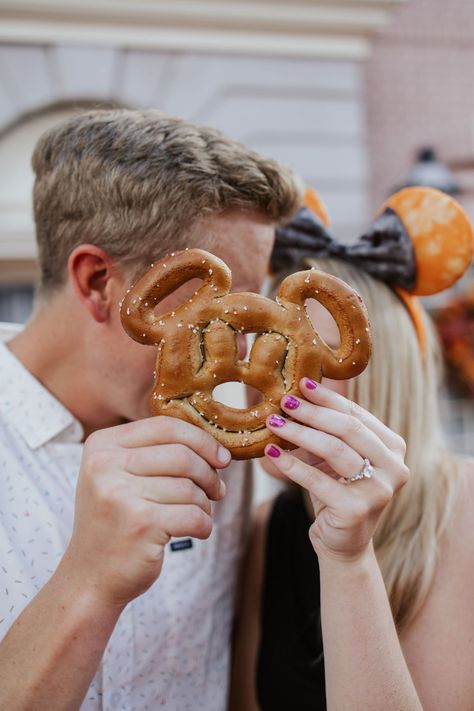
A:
{"x": 197, "y": 344}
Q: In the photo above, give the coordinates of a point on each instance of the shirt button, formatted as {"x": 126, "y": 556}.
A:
{"x": 114, "y": 699}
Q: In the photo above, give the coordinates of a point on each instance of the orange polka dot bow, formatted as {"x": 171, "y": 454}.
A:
{"x": 420, "y": 243}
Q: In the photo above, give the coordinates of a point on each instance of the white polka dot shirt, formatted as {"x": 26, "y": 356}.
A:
{"x": 170, "y": 648}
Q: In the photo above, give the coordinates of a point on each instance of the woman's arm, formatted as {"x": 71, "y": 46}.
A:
{"x": 247, "y": 629}
{"x": 365, "y": 666}
{"x": 439, "y": 644}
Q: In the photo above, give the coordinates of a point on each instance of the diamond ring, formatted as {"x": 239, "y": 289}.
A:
{"x": 365, "y": 473}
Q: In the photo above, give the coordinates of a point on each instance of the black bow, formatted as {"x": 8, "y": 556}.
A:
{"x": 385, "y": 251}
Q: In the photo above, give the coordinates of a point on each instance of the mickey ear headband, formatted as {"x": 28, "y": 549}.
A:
{"x": 420, "y": 243}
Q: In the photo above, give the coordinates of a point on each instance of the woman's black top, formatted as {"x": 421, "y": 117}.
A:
{"x": 290, "y": 669}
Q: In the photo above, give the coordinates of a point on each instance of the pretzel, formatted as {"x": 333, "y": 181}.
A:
{"x": 197, "y": 344}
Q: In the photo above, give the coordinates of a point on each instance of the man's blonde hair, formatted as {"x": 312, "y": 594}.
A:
{"x": 135, "y": 182}
{"x": 400, "y": 387}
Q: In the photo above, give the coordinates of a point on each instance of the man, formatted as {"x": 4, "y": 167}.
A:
{"x": 85, "y": 624}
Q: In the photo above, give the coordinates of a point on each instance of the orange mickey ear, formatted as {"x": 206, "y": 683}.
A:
{"x": 314, "y": 203}
{"x": 441, "y": 233}
{"x": 415, "y": 311}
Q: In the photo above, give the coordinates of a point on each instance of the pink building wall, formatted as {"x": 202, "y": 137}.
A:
{"x": 420, "y": 89}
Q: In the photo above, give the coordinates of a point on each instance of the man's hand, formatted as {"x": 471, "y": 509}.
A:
{"x": 140, "y": 484}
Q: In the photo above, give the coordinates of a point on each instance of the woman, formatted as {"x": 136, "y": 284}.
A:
{"x": 384, "y": 583}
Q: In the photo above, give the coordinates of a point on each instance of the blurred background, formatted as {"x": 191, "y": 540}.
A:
{"x": 348, "y": 92}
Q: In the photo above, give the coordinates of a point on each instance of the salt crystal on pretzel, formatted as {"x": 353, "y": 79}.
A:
{"x": 193, "y": 360}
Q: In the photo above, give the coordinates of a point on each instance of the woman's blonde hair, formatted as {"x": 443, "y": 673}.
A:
{"x": 399, "y": 386}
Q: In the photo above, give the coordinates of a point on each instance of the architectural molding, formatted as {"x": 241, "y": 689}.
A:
{"x": 333, "y": 28}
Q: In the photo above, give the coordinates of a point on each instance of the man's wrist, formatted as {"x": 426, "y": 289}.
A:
{"x": 79, "y": 591}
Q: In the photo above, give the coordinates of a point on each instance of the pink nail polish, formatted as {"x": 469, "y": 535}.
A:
{"x": 310, "y": 384}
{"x": 273, "y": 451}
{"x": 291, "y": 402}
{"x": 276, "y": 421}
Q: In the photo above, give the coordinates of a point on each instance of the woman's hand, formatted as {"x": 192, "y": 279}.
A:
{"x": 336, "y": 436}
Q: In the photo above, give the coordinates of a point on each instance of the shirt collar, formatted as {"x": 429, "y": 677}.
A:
{"x": 32, "y": 410}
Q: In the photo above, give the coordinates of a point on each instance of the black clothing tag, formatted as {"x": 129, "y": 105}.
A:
{"x": 181, "y": 545}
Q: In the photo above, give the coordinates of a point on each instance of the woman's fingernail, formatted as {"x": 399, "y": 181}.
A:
{"x": 223, "y": 455}
{"x": 222, "y": 488}
{"x": 276, "y": 421}
{"x": 310, "y": 384}
{"x": 273, "y": 451}
{"x": 291, "y": 402}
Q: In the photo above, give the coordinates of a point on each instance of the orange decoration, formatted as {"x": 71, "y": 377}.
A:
{"x": 441, "y": 233}
{"x": 314, "y": 203}
{"x": 455, "y": 323}
{"x": 415, "y": 311}
{"x": 442, "y": 237}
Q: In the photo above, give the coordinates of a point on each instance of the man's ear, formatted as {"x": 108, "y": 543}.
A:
{"x": 91, "y": 271}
